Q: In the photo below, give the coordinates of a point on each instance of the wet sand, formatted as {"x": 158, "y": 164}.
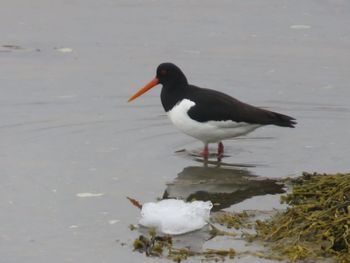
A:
{"x": 72, "y": 148}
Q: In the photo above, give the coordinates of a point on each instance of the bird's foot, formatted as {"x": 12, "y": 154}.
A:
{"x": 205, "y": 152}
{"x": 220, "y": 151}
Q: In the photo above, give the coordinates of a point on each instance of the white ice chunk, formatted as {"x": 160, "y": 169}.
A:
{"x": 89, "y": 194}
{"x": 64, "y": 50}
{"x": 300, "y": 27}
{"x": 175, "y": 217}
{"x": 113, "y": 221}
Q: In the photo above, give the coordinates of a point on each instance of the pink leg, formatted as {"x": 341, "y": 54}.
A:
{"x": 220, "y": 149}
{"x": 205, "y": 152}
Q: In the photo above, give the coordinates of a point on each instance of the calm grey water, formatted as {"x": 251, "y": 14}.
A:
{"x": 72, "y": 149}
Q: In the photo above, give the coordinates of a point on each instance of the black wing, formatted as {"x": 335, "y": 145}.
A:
{"x": 215, "y": 105}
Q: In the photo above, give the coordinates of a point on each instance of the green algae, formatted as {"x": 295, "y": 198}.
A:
{"x": 316, "y": 223}
{"x": 214, "y": 231}
{"x": 158, "y": 246}
{"x": 132, "y": 227}
{"x": 152, "y": 244}
{"x": 315, "y": 226}
{"x": 231, "y": 220}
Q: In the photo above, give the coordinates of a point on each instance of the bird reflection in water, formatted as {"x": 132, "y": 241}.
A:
{"x": 222, "y": 186}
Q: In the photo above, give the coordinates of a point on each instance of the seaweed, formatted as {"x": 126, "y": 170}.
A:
{"x": 157, "y": 246}
{"x": 135, "y": 202}
{"x": 152, "y": 245}
{"x": 316, "y": 223}
{"x": 231, "y": 220}
{"x": 315, "y": 226}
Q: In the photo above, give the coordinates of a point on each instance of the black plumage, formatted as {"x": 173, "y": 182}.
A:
{"x": 198, "y": 112}
{"x": 217, "y": 106}
{"x": 212, "y": 105}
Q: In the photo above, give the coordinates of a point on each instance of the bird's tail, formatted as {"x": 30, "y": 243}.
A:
{"x": 283, "y": 120}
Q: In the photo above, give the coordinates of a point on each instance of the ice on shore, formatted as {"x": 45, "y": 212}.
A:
{"x": 175, "y": 217}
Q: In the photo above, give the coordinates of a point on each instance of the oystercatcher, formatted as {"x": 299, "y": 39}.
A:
{"x": 208, "y": 115}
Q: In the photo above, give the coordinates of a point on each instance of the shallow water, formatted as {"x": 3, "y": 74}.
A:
{"x": 72, "y": 149}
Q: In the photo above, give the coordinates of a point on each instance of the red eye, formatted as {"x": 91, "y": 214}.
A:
{"x": 163, "y": 72}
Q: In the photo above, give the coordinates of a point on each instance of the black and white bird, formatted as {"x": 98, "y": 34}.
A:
{"x": 208, "y": 115}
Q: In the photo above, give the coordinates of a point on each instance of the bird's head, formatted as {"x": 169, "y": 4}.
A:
{"x": 168, "y": 74}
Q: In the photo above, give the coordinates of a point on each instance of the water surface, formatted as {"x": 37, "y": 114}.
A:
{"x": 72, "y": 149}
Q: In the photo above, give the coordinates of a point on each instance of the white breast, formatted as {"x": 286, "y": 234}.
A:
{"x": 207, "y": 132}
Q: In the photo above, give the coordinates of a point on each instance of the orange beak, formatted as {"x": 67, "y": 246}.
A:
{"x": 147, "y": 87}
